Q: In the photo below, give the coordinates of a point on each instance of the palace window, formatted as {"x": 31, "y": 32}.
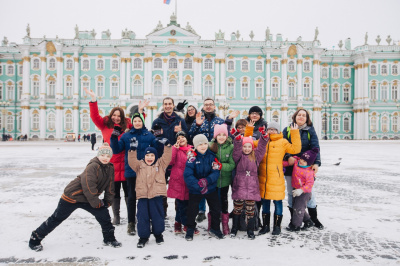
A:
{"x": 10, "y": 70}
{"x": 10, "y": 123}
{"x": 157, "y": 88}
{"x": 51, "y": 121}
{"x": 188, "y": 88}
{"x": 324, "y": 94}
{"x": 68, "y": 122}
{"x": 208, "y": 88}
{"x": 384, "y": 70}
{"x": 245, "y": 66}
{"x": 306, "y": 67}
{"x": 10, "y": 92}
{"x": 173, "y": 63}
{"x": 324, "y": 124}
{"x": 173, "y": 87}
{"x": 291, "y": 66}
{"x": 69, "y": 64}
{"x": 52, "y": 64}
{"x": 395, "y": 123}
{"x": 335, "y": 73}
{"x": 85, "y": 122}
{"x": 100, "y": 64}
{"x": 68, "y": 89}
{"x": 187, "y": 63}
{"x": 85, "y": 64}
{"x": 35, "y": 121}
{"x": 275, "y": 66}
{"x": 259, "y": 89}
{"x": 373, "y": 70}
{"x": 335, "y": 94}
{"x": 208, "y": 64}
{"x": 137, "y": 88}
{"x": 231, "y": 65}
{"x": 85, "y": 84}
{"x": 346, "y": 94}
{"x": 385, "y": 124}
{"x": 335, "y": 124}
{"x": 20, "y": 70}
{"x": 374, "y": 122}
{"x": 384, "y": 92}
{"x": 372, "y": 92}
{"x": 114, "y": 65}
{"x": 245, "y": 89}
{"x": 306, "y": 90}
{"x": 1, "y": 70}
{"x": 36, "y": 63}
{"x": 35, "y": 88}
{"x": 395, "y": 92}
{"x": 292, "y": 88}
{"x": 115, "y": 89}
{"x": 346, "y": 124}
{"x": 275, "y": 90}
{"x": 157, "y": 63}
{"x": 1, "y": 92}
{"x": 20, "y": 90}
{"x": 51, "y": 90}
{"x": 231, "y": 89}
{"x": 324, "y": 73}
{"x": 346, "y": 73}
{"x": 259, "y": 66}
{"x": 137, "y": 63}
{"x": 395, "y": 70}
{"x": 100, "y": 88}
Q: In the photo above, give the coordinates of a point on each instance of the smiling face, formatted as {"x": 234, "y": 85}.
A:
{"x": 255, "y": 116}
{"x": 247, "y": 148}
{"x": 191, "y": 111}
{"x": 209, "y": 106}
{"x": 221, "y": 138}
{"x": 168, "y": 106}
{"x": 116, "y": 117}
{"x": 137, "y": 123}
{"x": 302, "y": 162}
{"x": 301, "y": 118}
{"x": 149, "y": 158}
{"x": 202, "y": 148}
{"x": 182, "y": 141}
{"x": 104, "y": 158}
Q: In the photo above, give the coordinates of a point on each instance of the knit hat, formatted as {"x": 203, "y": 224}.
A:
{"x": 310, "y": 156}
{"x": 256, "y": 109}
{"x": 151, "y": 150}
{"x": 199, "y": 139}
{"x": 248, "y": 140}
{"x": 137, "y": 115}
{"x": 218, "y": 129}
{"x": 105, "y": 149}
{"x": 275, "y": 125}
{"x": 181, "y": 133}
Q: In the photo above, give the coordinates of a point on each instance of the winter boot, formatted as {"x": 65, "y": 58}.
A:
{"x": 109, "y": 239}
{"x": 235, "y": 225}
{"x": 277, "y": 225}
{"x": 177, "y": 228}
{"x": 196, "y": 231}
{"x": 307, "y": 224}
{"x": 34, "y": 242}
{"x": 201, "y": 217}
{"x": 131, "y": 229}
{"x": 250, "y": 228}
{"x": 159, "y": 239}
{"x": 115, "y": 207}
{"x": 314, "y": 218}
{"x": 225, "y": 226}
{"x": 216, "y": 233}
{"x": 265, "y": 225}
{"x": 293, "y": 228}
{"x": 290, "y": 225}
{"x": 189, "y": 234}
{"x": 209, "y": 221}
{"x": 142, "y": 242}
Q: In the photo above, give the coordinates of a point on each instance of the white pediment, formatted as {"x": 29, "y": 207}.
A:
{"x": 172, "y": 32}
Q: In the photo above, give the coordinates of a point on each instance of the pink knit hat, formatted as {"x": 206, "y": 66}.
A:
{"x": 248, "y": 140}
{"x": 218, "y": 129}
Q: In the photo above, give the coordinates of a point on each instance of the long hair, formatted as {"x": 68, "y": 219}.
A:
{"x": 187, "y": 115}
{"x": 308, "y": 119}
{"x": 122, "y": 124}
{"x": 252, "y": 156}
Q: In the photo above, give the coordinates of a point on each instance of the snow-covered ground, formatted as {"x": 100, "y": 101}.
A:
{"x": 358, "y": 202}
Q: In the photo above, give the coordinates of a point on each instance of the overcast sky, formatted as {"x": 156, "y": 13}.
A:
{"x": 336, "y": 19}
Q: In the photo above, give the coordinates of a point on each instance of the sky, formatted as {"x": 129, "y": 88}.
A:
{"x": 336, "y": 20}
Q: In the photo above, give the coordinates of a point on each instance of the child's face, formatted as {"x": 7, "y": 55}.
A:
{"x": 202, "y": 148}
{"x": 302, "y": 162}
{"x": 247, "y": 148}
{"x": 241, "y": 129}
{"x": 182, "y": 141}
{"x": 149, "y": 158}
{"x": 272, "y": 131}
{"x": 137, "y": 123}
{"x": 104, "y": 158}
{"x": 221, "y": 138}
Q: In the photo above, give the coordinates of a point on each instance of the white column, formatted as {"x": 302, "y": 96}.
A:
{"x": 128, "y": 90}
{"x": 180, "y": 78}
{"x": 59, "y": 83}
{"x": 284, "y": 78}
{"x": 317, "y": 118}
{"x": 59, "y": 122}
{"x": 284, "y": 117}
{"x": 76, "y": 76}
{"x": 122, "y": 79}
{"x": 43, "y": 84}
{"x": 365, "y": 101}
{"x": 197, "y": 75}
{"x": 299, "y": 92}
{"x": 147, "y": 77}
{"x": 75, "y": 114}
{"x": 357, "y": 100}
{"x": 25, "y": 127}
{"x": 165, "y": 77}
{"x": 42, "y": 125}
{"x": 217, "y": 78}
{"x": 223, "y": 79}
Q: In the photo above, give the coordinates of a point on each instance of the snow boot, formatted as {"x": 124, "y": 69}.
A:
{"x": 142, "y": 242}
{"x": 307, "y": 224}
{"x": 109, "y": 239}
{"x": 291, "y": 216}
{"x": 250, "y": 228}
{"x": 159, "y": 239}
{"x": 225, "y": 225}
{"x": 235, "y": 225}
{"x": 131, "y": 229}
{"x": 177, "y": 228}
{"x": 216, "y": 233}
{"x": 200, "y": 217}
{"x": 314, "y": 218}
{"x": 292, "y": 228}
{"x": 266, "y": 217}
{"x": 115, "y": 207}
{"x": 277, "y": 225}
{"x": 34, "y": 242}
{"x": 196, "y": 231}
{"x": 209, "y": 221}
{"x": 189, "y": 234}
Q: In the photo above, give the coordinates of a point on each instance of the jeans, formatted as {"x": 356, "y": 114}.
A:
{"x": 266, "y": 206}
{"x": 202, "y": 205}
{"x": 310, "y": 204}
{"x": 181, "y": 211}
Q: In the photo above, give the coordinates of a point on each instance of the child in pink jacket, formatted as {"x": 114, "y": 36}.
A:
{"x": 302, "y": 183}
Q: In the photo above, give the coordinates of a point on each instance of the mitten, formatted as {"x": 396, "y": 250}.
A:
{"x": 116, "y": 132}
{"x": 204, "y": 190}
{"x": 134, "y": 144}
{"x": 157, "y": 130}
{"x": 216, "y": 165}
{"x": 297, "y": 192}
{"x": 265, "y": 135}
{"x": 239, "y": 137}
{"x": 191, "y": 156}
{"x": 180, "y": 106}
{"x": 261, "y": 129}
{"x": 163, "y": 141}
{"x": 235, "y": 132}
{"x": 203, "y": 182}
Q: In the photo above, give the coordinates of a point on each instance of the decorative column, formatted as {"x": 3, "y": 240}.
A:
{"x": 299, "y": 92}
{"x": 122, "y": 79}
{"x": 269, "y": 113}
{"x": 197, "y": 75}
{"x": 365, "y": 101}
{"x": 180, "y": 78}
{"x": 284, "y": 117}
{"x": 284, "y": 78}
{"x": 217, "y": 91}
{"x": 76, "y": 76}
{"x": 59, "y": 83}
{"x": 147, "y": 77}
{"x": 268, "y": 86}
{"x": 128, "y": 90}
{"x": 165, "y": 77}
{"x": 42, "y": 119}
{"x": 43, "y": 60}
{"x": 75, "y": 113}
{"x": 25, "y": 105}
{"x": 59, "y": 122}
{"x": 317, "y": 116}
{"x": 356, "y": 102}
{"x": 223, "y": 79}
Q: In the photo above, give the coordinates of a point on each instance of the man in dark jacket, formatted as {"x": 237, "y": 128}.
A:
{"x": 93, "y": 140}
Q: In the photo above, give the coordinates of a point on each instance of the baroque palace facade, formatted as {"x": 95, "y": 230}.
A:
{"x": 349, "y": 93}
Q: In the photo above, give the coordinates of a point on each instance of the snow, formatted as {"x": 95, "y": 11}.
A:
{"x": 357, "y": 202}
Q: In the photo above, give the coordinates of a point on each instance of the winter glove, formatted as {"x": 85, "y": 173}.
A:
{"x": 116, "y": 132}
{"x": 216, "y": 165}
{"x": 239, "y": 137}
{"x": 180, "y": 106}
{"x": 297, "y": 192}
{"x": 157, "y": 130}
{"x": 261, "y": 129}
{"x": 204, "y": 190}
{"x": 163, "y": 141}
{"x": 191, "y": 156}
{"x": 235, "y": 132}
{"x": 203, "y": 182}
{"x": 134, "y": 144}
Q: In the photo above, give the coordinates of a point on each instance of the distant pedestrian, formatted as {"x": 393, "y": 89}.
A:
{"x": 79, "y": 137}
{"x": 93, "y": 140}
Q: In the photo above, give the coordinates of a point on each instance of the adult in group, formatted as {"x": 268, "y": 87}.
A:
{"x": 93, "y": 140}
{"x": 204, "y": 124}
{"x": 255, "y": 116}
{"x": 309, "y": 140}
{"x": 190, "y": 117}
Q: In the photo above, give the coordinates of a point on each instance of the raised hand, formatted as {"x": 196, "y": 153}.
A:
{"x": 178, "y": 128}
{"x": 134, "y": 143}
{"x": 90, "y": 93}
{"x": 142, "y": 105}
{"x": 199, "y": 119}
{"x": 234, "y": 114}
{"x": 235, "y": 132}
{"x": 295, "y": 126}
{"x": 181, "y": 105}
{"x": 252, "y": 123}
{"x": 116, "y": 132}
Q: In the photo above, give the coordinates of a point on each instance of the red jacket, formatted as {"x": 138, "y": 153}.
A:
{"x": 118, "y": 160}
{"x": 177, "y": 187}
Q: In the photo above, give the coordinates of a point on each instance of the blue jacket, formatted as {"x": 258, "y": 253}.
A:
{"x": 168, "y": 129}
{"x": 309, "y": 140}
{"x": 201, "y": 168}
{"x": 207, "y": 128}
{"x": 145, "y": 139}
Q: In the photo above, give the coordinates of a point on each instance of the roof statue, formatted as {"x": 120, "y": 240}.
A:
{"x": 28, "y": 31}
{"x": 237, "y": 35}
{"x": 340, "y": 44}
{"x": 378, "y": 39}
{"x": 366, "y": 38}
{"x": 158, "y": 27}
{"x": 108, "y": 33}
{"x": 267, "y": 34}
{"x": 5, "y": 41}
{"x": 251, "y": 35}
{"x": 316, "y": 34}
{"x": 388, "y": 39}
{"x": 76, "y": 31}
{"x": 347, "y": 44}
{"x": 93, "y": 33}
{"x": 219, "y": 35}
{"x": 299, "y": 39}
{"x": 190, "y": 29}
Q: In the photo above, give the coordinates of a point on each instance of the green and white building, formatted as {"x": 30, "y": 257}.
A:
{"x": 349, "y": 93}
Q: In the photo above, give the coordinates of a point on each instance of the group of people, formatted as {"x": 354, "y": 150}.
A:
{"x": 202, "y": 156}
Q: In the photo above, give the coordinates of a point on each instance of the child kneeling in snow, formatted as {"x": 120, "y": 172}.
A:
{"x": 151, "y": 187}
{"x": 83, "y": 192}
{"x": 302, "y": 183}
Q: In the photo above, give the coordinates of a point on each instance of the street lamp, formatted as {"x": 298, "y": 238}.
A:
{"x": 3, "y": 117}
{"x": 325, "y": 105}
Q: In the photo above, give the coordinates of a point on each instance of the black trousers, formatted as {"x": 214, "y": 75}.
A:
{"x": 193, "y": 208}
{"x": 65, "y": 209}
{"x": 131, "y": 181}
{"x": 117, "y": 185}
{"x": 223, "y": 196}
{"x": 93, "y": 146}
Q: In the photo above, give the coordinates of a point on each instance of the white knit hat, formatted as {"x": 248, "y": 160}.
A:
{"x": 199, "y": 139}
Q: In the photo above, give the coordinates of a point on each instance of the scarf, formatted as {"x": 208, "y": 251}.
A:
{"x": 189, "y": 119}
{"x": 170, "y": 118}
{"x": 303, "y": 126}
{"x": 186, "y": 148}
{"x": 209, "y": 116}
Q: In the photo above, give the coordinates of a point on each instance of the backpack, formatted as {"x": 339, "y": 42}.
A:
{"x": 288, "y": 134}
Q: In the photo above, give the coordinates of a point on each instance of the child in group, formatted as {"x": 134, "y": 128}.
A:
{"x": 245, "y": 187}
{"x": 83, "y": 192}
{"x": 201, "y": 175}
{"x": 177, "y": 188}
{"x": 222, "y": 146}
{"x": 302, "y": 183}
{"x": 151, "y": 187}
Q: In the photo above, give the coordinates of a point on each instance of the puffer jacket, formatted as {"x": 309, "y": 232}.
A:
{"x": 306, "y": 144}
{"x": 224, "y": 156}
{"x": 245, "y": 184}
{"x": 207, "y": 128}
{"x": 88, "y": 186}
{"x": 200, "y": 168}
{"x": 150, "y": 179}
{"x": 270, "y": 171}
{"x": 144, "y": 138}
{"x": 177, "y": 188}
{"x": 301, "y": 177}
{"x": 168, "y": 129}
{"x": 118, "y": 159}
{"x": 257, "y": 125}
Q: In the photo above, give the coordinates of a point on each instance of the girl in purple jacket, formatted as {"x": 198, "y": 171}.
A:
{"x": 245, "y": 187}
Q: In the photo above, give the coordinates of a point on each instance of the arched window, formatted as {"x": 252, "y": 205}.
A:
{"x": 208, "y": 64}
{"x": 85, "y": 64}
{"x": 372, "y": 92}
{"x": 374, "y": 124}
{"x": 324, "y": 123}
{"x": 20, "y": 90}
{"x": 35, "y": 121}
{"x": 100, "y": 64}
{"x": 346, "y": 124}
{"x": 68, "y": 121}
{"x": 335, "y": 124}
{"x": 259, "y": 66}
{"x": 275, "y": 90}
{"x": 68, "y": 88}
{"x": 384, "y": 70}
{"x": 114, "y": 88}
{"x": 208, "y": 88}
{"x": 346, "y": 94}
{"x": 173, "y": 87}
{"x": 259, "y": 89}
{"x": 275, "y": 66}
{"x": 188, "y": 63}
{"x": 137, "y": 88}
{"x": 306, "y": 66}
{"x": 335, "y": 73}
{"x": 10, "y": 123}
{"x": 188, "y": 88}
{"x": 157, "y": 63}
{"x": 137, "y": 63}
{"x": 245, "y": 89}
{"x": 70, "y": 64}
{"x": 395, "y": 92}
{"x": 245, "y": 66}
{"x": 292, "y": 95}
{"x": 36, "y": 63}
{"x": 291, "y": 66}
{"x": 114, "y": 65}
{"x": 231, "y": 89}
{"x": 324, "y": 93}
{"x": 384, "y": 92}
{"x": 306, "y": 90}
{"x": 52, "y": 63}
{"x": 85, "y": 122}
{"x": 324, "y": 73}
{"x": 346, "y": 73}
{"x": 10, "y": 92}
{"x": 10, "y": 70}
{"x": 157, "y": 88}
{"x": 385, "y": 124}
{"x": 173, "y": 63}
{"x": 1, "y": 92}
{"x": 51, "y": 122}
{"x": 20, "y": 70}
{"x": 335, "y": 93}
{"x": 373, "y": 70}
{"x": 395, "y": 70}
{"x": 231, "y": 65}
{"x": 35, "y": 88}
{"x": 100, "y": 88}
{"x": 395, "y": 123}
{"x": 51, "y": 92}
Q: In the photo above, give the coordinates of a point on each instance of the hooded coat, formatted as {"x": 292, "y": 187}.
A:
{"x": 177, "y": 188}
{"x": 224, "y": 156}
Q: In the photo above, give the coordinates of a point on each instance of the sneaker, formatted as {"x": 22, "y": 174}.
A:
{"x": 114, "y": 243}
{"x": 142, "y": 242}
{"x": 189, "y": 234}
{"x": 34, "y": 242}
{"x": 159, "y": 239}
{"x": 201, "y": 217}
{"x": 196, "y": 231}
{"x": 216, "y": 233}
{"x": 178, "y": 228}
{"x": 131, "y": 229}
